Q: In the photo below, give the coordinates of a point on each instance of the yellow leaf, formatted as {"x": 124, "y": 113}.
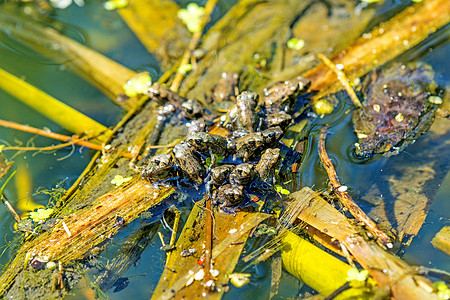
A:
{"x": 115, "y": 4}
{"x": 192, "y": 17}
{"x": 183, "y": 69}
{"x": 239, "y": 279}
{"x": 41, "y": 214}
{"x": 354, "y": 274}
{"x": 119, "y": 180}
{"x": 296, "y": 44}
{"x": 281, "y": 190}
{"x": 138, "y": 84}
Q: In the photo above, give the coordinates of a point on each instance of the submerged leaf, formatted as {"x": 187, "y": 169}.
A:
{"x": 62, "y": 114}
{"x": 107, "y": 75}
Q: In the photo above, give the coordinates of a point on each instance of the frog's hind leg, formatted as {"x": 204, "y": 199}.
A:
{"x": 167, "y": 182}
{"x": 261, "y": 187}
{"x": 229, "y": 210}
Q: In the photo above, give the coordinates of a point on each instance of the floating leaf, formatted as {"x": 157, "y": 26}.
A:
{"x": 354, "y": 274}
{"x": 323, "y": 107}
{"x": 239, "y": 279}
{"x": 435, "y": 99}
{"x": 41, "y": 214}
{"x": 443, "y": 291}
{"x": 296, "y": 44}
{"x": 138, "y": 84}
{"x": 119, "y": 180}
{"x": 183, "y": 69}
{"x": 281, "y": 190}
{"x": 115, "y": 4}
{"x": 218, "y": 160}
{"x": 192, "y": 17}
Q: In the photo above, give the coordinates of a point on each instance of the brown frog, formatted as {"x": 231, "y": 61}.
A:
{"x": 189, "y": 162}
{"x": 239, "y": 133}
{"x": 231, "y": 145}
{"x": 207, "y": 143}
{"x": 229, "y": 120}
{"x": 395, "y": 110}
{"x": 249, "y": 146}
{"x": 253, "y": 144}
{"x": 192, "y": 109}
{"x": 228, "y": 195}
{"x": 247, "y": 117}
{"x": 281, "y": 95}
{"x": 219, "y": 175}
{"x": 198, "y": 125}
{"x": 280, "y": 119}
{"x": 268, "y": 163}
{"x": 227, "y": 87}
{"x": 272, "y": 136}
{"x": 243, "y": 174}
{"x": 159, "y": 167}
{"x": 163, "y": 94}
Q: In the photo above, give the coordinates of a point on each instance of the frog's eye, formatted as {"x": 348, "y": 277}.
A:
{"x": 251, "y": 143}
{"x": 157, "y": 161}
{"x": 188, "y": 108}
{"x": 272, "y": 135}
{"x": 198, "y": 141}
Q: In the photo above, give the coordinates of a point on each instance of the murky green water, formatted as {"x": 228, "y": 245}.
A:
{"x": 105, "y": 32}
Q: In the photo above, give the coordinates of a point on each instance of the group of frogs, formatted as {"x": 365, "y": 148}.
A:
{"x": 396, "y": 110}
{"x": 245, "y": 160}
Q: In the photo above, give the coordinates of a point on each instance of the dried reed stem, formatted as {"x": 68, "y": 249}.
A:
{"x": 345, "y": 198}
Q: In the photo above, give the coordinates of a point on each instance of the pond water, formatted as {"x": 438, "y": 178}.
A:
{"x": 105, "y": 32}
